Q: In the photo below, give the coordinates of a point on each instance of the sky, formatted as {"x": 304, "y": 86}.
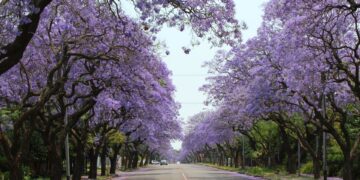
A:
{"x": 188, "y": 73}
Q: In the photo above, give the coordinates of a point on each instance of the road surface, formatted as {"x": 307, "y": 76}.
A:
{"x": 182, "y": 172}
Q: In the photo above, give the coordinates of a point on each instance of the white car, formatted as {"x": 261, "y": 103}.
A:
{"x": 163, "y": 162}
{"x": 154, "y": 162}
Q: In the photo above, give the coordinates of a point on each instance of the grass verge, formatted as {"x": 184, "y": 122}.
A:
{"x": 266, "y": 173}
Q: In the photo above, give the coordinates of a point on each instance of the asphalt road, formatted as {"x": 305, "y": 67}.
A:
{"x": 182, "y": 172}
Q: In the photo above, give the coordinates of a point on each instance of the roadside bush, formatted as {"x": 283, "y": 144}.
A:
{"x": 307, "y": 168}
{"x": 4, "y": 175}
{"x": 335, "y": 159}
{"x": 255, "y": 171}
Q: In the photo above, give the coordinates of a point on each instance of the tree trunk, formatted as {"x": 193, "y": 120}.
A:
{"x": 291, "y": 161}
{"x": 55, "y": 161}
{"x": 129, "y": 159}
{"x": 135, "y": 160}
{"x": 103, "y": 160}
{"x": 93, "y": 155}
{"x": 347, "y": 168}
{"x": 231, "y": 156}
{"x": 316, "y": 168}
{"x": 123, "y": 162}
{"x": 198, "y": 158}
{"x": 16, "y": 172}
{"x": 113, "y": 163}
{"x": 79, "y": 162}
{"x": 85, "y": 163}
{"x": 147, "y": 160}
{"x": 142, "y": 161}
{"x": 236, "y": 158}
{"x": 221, "y": 159}
{"x": 113, "y": 158}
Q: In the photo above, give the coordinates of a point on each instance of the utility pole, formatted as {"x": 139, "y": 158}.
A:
{"x": 67, "y": 148}
{"x": 299, "y": 157}
{"x": 67, "y": 156}
{"x": 323, "y": 112}
{"x": 317, "y": 144}
{"x": 324, "y": 139}
{"x": 243, "y": 151}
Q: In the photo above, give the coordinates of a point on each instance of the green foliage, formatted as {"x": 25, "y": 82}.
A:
{"x": 256, "y": 154}
{"x": 90, "y": 139}
{"x": 162, "y": 83}
{"x": 307, "y": 168}
{"x": 297, "y": 120}
{"x": 26, "y": 170}
{"x": 7, "y": 113}
{"x": 38, "y": 150}
{"x": 277, "y": 172}
{"x": 266, "y": 134}
{"x": 335, "y": 158}
{"x": 227, "y": 168}
{"x": 334, "y": 152}
{"x": 116, "y": 137}
{"x": 256, "y": 171}
{"x": 266, "y": 126}
{"x": 3, "y": 163}
{"x": 4, "y": 175}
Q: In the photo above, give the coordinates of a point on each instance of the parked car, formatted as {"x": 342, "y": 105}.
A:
{"x": 155, "y": 162}
{"x": 163, "y": 162}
